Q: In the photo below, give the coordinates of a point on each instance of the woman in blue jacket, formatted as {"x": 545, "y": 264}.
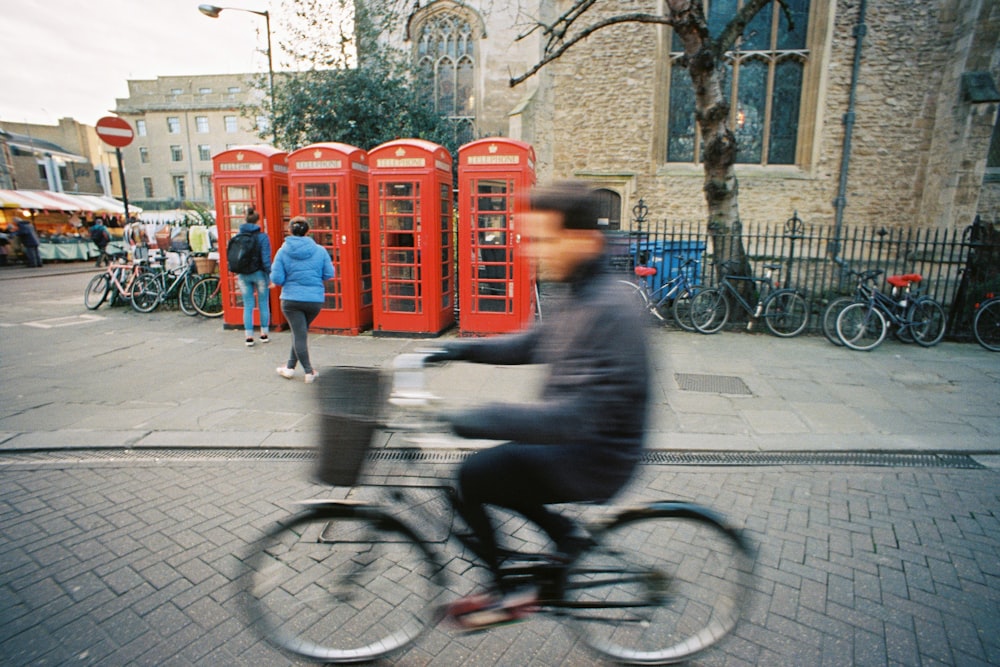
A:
{"x": 301, "y": 268}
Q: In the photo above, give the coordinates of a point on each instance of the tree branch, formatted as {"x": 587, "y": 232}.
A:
{"x": 555, "y": 53}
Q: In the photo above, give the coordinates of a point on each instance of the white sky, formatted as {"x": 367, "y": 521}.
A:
{"x": 67, "y": 58}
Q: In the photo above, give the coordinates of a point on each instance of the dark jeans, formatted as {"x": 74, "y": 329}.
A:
{"x": 31, "y": 256}
{"x": 524, "y": 478}
{"x": 300, "y": 315}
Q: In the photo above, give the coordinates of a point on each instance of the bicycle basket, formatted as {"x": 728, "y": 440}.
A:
{"x": 349, "y": 403}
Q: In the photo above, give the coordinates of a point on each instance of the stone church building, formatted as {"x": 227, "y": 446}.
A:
{"x": 913, "y": 86}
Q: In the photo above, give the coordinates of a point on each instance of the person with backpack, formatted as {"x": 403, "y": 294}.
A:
{"x": 101, "y": 237}
{"x": 249, "y": 256}
{"x": 301, "y": 268}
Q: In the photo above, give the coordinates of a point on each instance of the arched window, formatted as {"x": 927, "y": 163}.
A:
{"x": 764, "y": 81}
{"x": 445, "y": 37}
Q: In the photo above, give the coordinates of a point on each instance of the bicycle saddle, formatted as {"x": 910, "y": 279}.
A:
{"x": 645, "y": 271}
{"x": 904, "y": 280}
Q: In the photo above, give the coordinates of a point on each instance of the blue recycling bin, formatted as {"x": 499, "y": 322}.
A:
{"x": 666, "y": 256}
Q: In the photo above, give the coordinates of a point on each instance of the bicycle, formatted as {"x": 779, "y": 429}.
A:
{"x": 677, "y": 292}
{"x": 353, "y": 580}
{"x": 861, "y": 293}
{"x": 155, "y": 287}
{"x": 117, "y": 280}
{"x": 986, "y": 324}
{"x": 206, "y": 295}
{"x": 785, "y": 311}
{"x": 863, "y": 325}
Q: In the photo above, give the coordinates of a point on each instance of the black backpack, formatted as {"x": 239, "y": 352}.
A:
{"x": 243, "y": 253}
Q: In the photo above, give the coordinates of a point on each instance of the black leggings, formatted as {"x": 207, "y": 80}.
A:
{"x": 525, "y": 478}
{"x": 300, "y": 315}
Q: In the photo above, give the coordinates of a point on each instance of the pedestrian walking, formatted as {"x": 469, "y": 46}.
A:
{"x": 101, "y": 237}
{"x": 301, "y": 268}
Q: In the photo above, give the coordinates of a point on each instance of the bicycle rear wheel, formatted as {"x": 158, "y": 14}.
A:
{"x": 184, "y": 296}
{"x": 861, "y": 326}
{"x": 97, "y": 291}
{"x": 682, "y": 309}
{"x": 709, "y": 310}
{"x": 986, "y": 326}
{"x": 206, "y": 296}
{"x": 927, "y": 322}
{"x": 829, "y": 323}
{"x": 146, "y": 293}
{"x": 341, "y": 583}
{"x": 786, "y": 313}
{"x": 664, "y": 583}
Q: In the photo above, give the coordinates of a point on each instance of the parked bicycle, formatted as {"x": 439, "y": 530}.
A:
{"x": 353, "y": 581}
{"x": 784, "y": 310}
{"x": 117, "y": 281}
{"x": 206, "y": 295}
{"x": 159, "y": 285}
{"x": 863, "y": 326}
{"x": 986, "y": 324}
{"x": 674, "y": 295}
{"x": 862, "y": 290}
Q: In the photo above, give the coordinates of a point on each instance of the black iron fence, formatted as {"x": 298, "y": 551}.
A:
{"x": 959, "y": 266}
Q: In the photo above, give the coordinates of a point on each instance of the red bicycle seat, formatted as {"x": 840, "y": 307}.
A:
{"x": 904, "y": 280}
{"x": 645, "y": 271}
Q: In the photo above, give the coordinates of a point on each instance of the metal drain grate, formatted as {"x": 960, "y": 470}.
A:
{"x": 712, "y": 384}
{"x": 454, "y": 456}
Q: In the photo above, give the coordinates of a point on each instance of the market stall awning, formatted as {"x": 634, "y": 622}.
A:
{"x": 46, "y": 200}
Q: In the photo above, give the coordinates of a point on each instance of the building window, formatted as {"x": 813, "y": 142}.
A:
{"x": 180, "y": 192}
{"x": 140, "y": 127}
{"x": 231, "y": 125}
{"x": 173, "y": 125}
{"x": 233, "y": 90}
{"x": 144, "y": 155}
{"x": 445, "y": 54}
{"x": 201, "y": 124}
{"x": 147, "y": 186}
{"x": 204, "y": 152}
{"x": 763, "y": 78}
{"x": 176, "y": 154}
{"x": 176, "y": 91}
{"x": 206, "y": 186}
{"x": 204, "y": 91}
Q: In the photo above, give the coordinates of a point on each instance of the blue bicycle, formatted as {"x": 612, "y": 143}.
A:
{"x": 674, "y": 295}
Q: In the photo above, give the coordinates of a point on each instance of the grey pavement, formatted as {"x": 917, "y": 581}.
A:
{"x": 135, "y": 560}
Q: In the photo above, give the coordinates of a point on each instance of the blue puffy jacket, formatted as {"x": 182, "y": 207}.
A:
{"x": 300, "y": 268}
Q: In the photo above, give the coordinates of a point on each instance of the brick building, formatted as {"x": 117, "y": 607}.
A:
{"x": 66, "y": 157}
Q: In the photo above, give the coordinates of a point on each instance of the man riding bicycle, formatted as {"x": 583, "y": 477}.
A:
{"x": 582, "y": 438}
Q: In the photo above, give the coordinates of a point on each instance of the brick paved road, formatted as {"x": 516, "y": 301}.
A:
{"x": 134, "y": 564}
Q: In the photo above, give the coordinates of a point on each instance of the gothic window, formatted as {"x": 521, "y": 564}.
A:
{"x": 763, "y": 80}
{"x": 446, "y": 66}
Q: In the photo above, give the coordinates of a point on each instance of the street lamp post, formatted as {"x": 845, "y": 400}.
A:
{"x": 212, "y": 11}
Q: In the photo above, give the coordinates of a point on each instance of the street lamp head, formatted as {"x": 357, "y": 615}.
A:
{"x": 210, "y": 10}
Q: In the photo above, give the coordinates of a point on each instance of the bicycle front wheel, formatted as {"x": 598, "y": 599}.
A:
{"x": 97, "y": 291}
{"x": 206, "y": 296}
{"x": 786, "y": 313}
{"x": 926, "y": 318}
{"x": 986, "y": 325}
{"x": 146, "y": 293}
{"x": 709, "y": 310}
{"x": 664, "y": 583}
{"x": 861, "y": 326}
{"x": 184, "y": 296}
{"x": 341, "y": 583}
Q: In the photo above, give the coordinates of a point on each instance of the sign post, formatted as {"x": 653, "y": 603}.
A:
{"x": 116, "y": 132}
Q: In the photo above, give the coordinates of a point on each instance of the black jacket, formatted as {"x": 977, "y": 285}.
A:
{"x": 597, "y": 388}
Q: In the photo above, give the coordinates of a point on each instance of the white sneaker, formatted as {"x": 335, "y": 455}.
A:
{"x": 311, "y": 377}
{"x": 286, "y": 372}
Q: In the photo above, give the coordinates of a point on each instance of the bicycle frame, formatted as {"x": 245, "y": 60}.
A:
{"x": 676, "y": 285}
{"x": 764, "y": 286}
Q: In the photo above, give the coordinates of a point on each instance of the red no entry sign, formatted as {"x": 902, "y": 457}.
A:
{"x": 115, "y": 131}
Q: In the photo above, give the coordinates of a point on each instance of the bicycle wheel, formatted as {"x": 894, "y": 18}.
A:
{"x": 986, "y": 325}
{"x": 829, "y": 323}
{"x": 681, "y": 309}
{"x": 146, "y": 293}
{"x": 927, "y": 322}
{"x": 861, "y": 327}
{"x": 664, "y": 583}
{"x": 709, "y": 310}
{"x": 786, "y": 313}
{"x": 341, "y": 583}
{"x": 206, "y": 296}
{"x": 97, "y": 291}
{"x": 184, "y": 296}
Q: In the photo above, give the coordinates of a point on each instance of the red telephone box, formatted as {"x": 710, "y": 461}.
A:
{"x": 414, "y": 254}
{"x": 329, "y": 186}
{"x": 247, "y": 176}
{"x": 496, "y": 282}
